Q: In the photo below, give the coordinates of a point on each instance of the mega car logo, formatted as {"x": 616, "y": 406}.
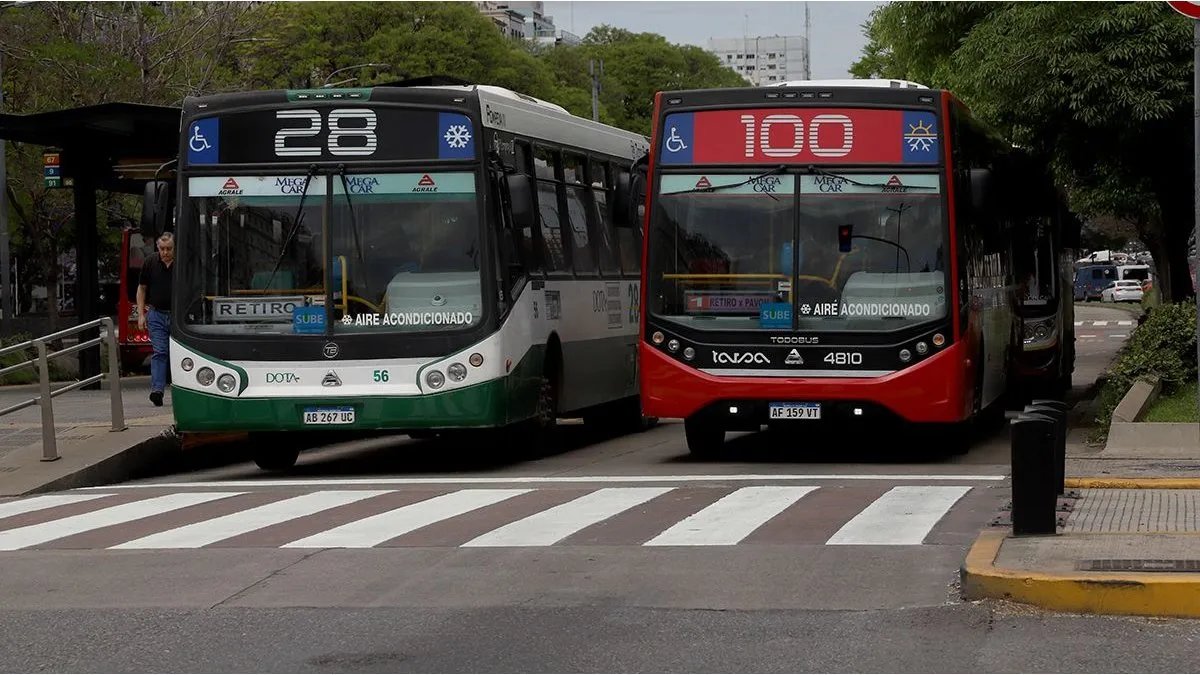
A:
{"x": 362, "y": 185}
{"x": 291, "y": 185}
{"x": 740, "y": 358}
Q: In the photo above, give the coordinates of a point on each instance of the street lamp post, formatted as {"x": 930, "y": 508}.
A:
{"x": 326, "y": 84}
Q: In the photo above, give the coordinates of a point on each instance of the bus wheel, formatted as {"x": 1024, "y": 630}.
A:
{"x": 951, "y": 439}
{"x": 277, "y": 458}
{"x": 704, "y": 439}
{"x": 545, "y": 415}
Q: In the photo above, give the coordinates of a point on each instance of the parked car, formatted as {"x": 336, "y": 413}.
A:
{"x": 1122, "y": 291}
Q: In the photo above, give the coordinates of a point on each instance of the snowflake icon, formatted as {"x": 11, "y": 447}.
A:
{"x": 347, "y": 320}
{"x": 920, "y": 144}
{"x": 805, "y": 309}
{"x": 457, "y": 136}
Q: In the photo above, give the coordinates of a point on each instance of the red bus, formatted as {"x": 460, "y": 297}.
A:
{"x": 133, "y": 344}
{"x": 822, "y": 252}
{"x": 1045, "y": 269}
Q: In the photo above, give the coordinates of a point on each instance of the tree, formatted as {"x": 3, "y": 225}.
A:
{"x": 66, "y": 55}
{"x": 636, "y": 67}
{"x": 305, "y": 42}
{"x": 1101, "y": 91}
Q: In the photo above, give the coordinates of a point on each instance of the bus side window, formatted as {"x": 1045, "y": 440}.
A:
{"x": 546, "y": 165}
{"x": 583, "y": 257}
{"x": 525, "y": 236}
{"x": 602, "y": 210}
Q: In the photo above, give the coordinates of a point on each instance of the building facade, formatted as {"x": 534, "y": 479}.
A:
{"x": 764, "y": 60}
{"x": 526, "y": 21}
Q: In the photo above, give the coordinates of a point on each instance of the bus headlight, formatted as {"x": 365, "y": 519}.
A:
{"x": 205, "y": 376}
{"x": 457, "y": 372}
{"x": 226, "y": 383}
{"x": 689, "y": 353}
{"x": 673, "y": 345}
{"x": 476, "y": 359}
{"x": 187, "y": 364}
{"x": 905, "y": 355}
{"x": 435, "y": 379}
{"x": 1042, "y": 331}
{"x": 658, "y": 337}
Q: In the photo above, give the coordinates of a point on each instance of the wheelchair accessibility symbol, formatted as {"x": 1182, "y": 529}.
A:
{"x": 198, "y": 143}
{"x": 674, "y": 142}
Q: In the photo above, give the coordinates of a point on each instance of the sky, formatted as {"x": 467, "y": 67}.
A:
{"x": 836, "y": 27}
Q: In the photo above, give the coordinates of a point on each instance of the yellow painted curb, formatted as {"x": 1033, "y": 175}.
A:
{"x": 1133, "y": 483}
{"x": 1129, "y": 593}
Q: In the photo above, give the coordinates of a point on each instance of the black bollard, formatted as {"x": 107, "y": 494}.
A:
{"x": 1034, "y": 501}
{"x": 1060, "y": 439}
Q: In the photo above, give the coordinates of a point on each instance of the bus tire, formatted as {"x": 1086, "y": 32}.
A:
{"x": 277, "y": 458}
{"x": 705, "y": 439}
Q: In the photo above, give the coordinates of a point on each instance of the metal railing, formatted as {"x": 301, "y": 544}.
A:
{"x": 42, "y": 362}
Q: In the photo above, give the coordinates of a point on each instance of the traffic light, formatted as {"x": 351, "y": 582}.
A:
{"x": 845, "y": 232}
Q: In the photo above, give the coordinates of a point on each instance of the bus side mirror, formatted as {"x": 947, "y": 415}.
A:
{"x": 156, "y": 208}
{"x": 981, "y": 190}
{"x": 520, "y": 200}
{"x": 629, "y": 195}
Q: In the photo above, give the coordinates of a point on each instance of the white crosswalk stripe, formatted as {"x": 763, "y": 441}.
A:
{"x": 732, "y": 518}
{"x": 39, "y": 503}
{"x": 904, "y": 515}
{"x": 559, "y": 522}
{"x": 32, "y": 535}
{"x": 375, "y": 530}
{"x": 350, "y": 518}
{"x": 210, "y": 531}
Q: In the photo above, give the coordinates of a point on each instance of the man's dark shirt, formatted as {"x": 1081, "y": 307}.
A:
{"x": 156, "y": 277}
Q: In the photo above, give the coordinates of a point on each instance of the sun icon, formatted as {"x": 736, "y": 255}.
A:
{"x": 920, "y": 136}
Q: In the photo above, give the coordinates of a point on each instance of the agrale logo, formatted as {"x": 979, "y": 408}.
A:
{"x": 426, "y": 184}
{"x": 737, "y": 358}
{"x": 231, "y": 188}
{"x": 794, "y": 358}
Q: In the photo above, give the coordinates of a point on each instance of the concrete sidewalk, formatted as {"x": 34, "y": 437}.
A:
{"x": 1127, "y": 542}
{"x": 90, "y": 452}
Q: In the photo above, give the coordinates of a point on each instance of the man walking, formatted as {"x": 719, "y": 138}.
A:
{"x": 154, "y": 291}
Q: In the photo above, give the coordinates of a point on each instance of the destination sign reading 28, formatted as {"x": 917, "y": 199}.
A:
{"x": 800, "y": 135}
{"x": 332, "y": 134}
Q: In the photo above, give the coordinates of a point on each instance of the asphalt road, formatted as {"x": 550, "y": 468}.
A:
{"x": 826, "y": 550}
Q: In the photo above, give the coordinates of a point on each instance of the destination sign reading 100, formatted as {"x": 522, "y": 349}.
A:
{"x": 800, "y": 135}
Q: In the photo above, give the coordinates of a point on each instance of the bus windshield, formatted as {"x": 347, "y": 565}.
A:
{"x": 1036, "y": 269}
{"x": 404, "y": 254}
{"x": 851, "y": 252}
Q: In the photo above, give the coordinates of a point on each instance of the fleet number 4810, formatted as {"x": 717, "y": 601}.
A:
{"x": 844, "y": 358}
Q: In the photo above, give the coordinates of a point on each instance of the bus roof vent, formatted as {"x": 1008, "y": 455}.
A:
{"x": 508, "y": 93}
{"x": 883, "y": 84}
{"x": 427, "y": 81}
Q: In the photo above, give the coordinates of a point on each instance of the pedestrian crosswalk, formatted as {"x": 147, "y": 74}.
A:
{"x": 470, "y": 518}
{"x": 1103, "y": 324}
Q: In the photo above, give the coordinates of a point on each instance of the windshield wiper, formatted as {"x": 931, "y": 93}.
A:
{"x": 354, "y": 227}
{"x": 770, "y": 172}
{"x": 812, "y": 168}
{"x": 296, "y": 220}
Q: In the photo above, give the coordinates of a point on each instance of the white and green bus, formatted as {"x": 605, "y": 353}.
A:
{"x": 419, "y": 257}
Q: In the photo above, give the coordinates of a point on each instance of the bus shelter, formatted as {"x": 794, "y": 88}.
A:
{"x": 114, "y": 147}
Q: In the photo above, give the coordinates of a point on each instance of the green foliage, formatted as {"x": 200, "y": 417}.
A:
{"x": 1090, "y": 87}
{"x": 1164, "y": 346}
{"x": 1178, "y": 407}
{"x": 636, "y": 67}
{"x": 29, "y": 374}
